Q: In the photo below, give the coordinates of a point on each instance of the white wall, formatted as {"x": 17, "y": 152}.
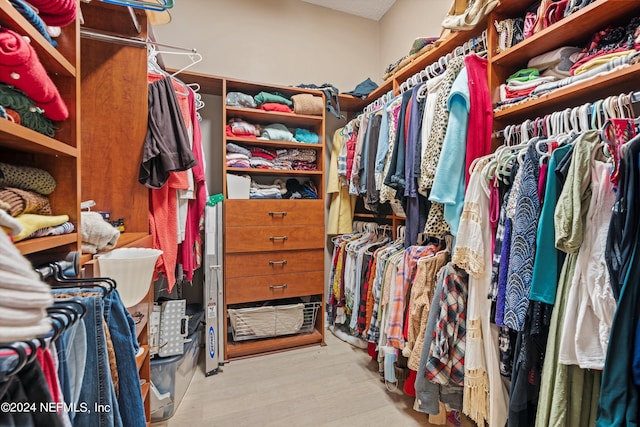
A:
{"x": 406, "y": 21}
{"x": 284, "y": 42}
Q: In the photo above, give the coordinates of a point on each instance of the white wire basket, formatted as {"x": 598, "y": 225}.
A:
{"x": 271, "y": 321}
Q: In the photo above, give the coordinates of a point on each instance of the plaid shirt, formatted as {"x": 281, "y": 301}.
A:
{"x": 404, "y": 278}
{"x": 446, "y": 354}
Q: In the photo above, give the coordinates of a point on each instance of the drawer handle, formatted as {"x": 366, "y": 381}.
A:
{"x": 274, "y": 238}
{"x": 283, "y": 213}
{"x": 283, "y": 262}
{"x": 283, "y": 286}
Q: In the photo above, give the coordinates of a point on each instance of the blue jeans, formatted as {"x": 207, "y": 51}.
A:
{"x": 125, "y": 345}
{"x": 97, "y": 387}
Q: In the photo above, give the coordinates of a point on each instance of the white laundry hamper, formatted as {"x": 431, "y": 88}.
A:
{"x": 132, "y": 269}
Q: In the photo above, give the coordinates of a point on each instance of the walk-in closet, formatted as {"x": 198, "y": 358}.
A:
{"x": 319, "y": 213}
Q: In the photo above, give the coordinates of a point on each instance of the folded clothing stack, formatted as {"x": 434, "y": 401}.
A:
{"x": 23, "y": 296}
{"x": 277, "y": 132}
{"x": 34, "y": 19}
{"x": 267, "y": 191}
{"x": 240, "y": 99}
{"x": 21, "y": 110}
{"x": 520, "y": 84}
{"x": 241, "y": 128}
{"x": 306, "y": 103}
{"x": 58, "y": 13}
{"x": 275, "y": 101}
{"x": 24, "y": 202}
{"x": 21, "y": 68}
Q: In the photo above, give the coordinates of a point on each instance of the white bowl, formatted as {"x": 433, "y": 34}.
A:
{"x": 132, "y": 269}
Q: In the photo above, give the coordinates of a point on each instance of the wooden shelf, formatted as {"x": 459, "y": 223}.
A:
{"x": 44, "y": 243}
{"x": 274, "y": 143}
{"x": 141, "y": 358}
{"x": 574, "y": 29}
{"x": 446, "y": 46}
{"x": 52, "y": 60}
{"x": 268, "y": 117}
{"x": 614, "y": 83}
{"x": 144, "y": 389}
{"x": 211, "y": 85}
{"x": 255, "y": 347}
{"x": 20, "y": 138}
{"x": 512, "y": 8}
{"x": 354, "y": 104}
{"x": 254, "y": 171}
{"x": 253, "y": 89}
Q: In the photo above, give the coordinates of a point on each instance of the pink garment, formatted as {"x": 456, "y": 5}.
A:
{"x": 190, "y": 251}
{"x": 50, "y": 373}
{"x": 163, "y": 224}
{"x": 480, "y": 111}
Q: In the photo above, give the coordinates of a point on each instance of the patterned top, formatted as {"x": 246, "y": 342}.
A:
{"x": 446, "y": 355}
{"x": 439, "y": 128}
{"x": 523, "y": 242}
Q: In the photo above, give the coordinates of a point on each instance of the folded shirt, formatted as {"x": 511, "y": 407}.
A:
{"x": 557, "y": 62}
{"x": 306, "y": 155}
{"x": 274, "y": 106}
{"x": 239, "y": 99}
{"x": 260, "y": 163}
{"x": 263, "y": 153}
{"x": 600, "y": 60}
{"x": 23, "y": 201}
{"x": 306, "y": 136}
{"x": 65, "y": 228}
{"x": 264, "y": 97}
{"x": 235, "y": 148}
{"x": 277, "y": 132}
{"x": 241, "y": 128}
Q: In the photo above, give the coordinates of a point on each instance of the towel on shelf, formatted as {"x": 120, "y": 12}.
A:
{"x": 24, "y": 201}
{"x": 97, "y": 234}
{"x": 21, "y": 68}
{"x": 31, "y": 223}
{"x": 305, "y": 103}
{"x": 27, "y": 178}
{"x": 56, "y": 12}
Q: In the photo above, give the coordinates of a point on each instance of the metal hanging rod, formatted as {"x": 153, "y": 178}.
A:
{"x": 634, "y": 98}
{"x": 129, "y": 41}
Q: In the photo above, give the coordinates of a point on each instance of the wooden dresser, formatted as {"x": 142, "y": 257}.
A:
{"x": 274, "y": 248}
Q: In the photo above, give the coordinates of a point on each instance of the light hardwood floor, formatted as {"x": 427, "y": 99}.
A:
{"x": 335, "y": 385}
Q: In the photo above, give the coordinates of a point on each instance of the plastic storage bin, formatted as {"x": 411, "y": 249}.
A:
{"x": 171, "y": 376}
{"x": 238, "y": 186}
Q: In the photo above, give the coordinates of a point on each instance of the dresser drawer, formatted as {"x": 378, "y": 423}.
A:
{"x": 257, "y": 288}
{"x": 258, "y": 239}
{"x": 240, "y": 213}
{"x": 273, "y": 262}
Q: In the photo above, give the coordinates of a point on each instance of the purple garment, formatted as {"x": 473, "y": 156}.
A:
{"x": 502, "y": 274}
{"x": 415, "y": 208}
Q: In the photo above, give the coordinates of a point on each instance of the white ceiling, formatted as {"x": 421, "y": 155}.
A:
{"x": 370, "y": 9}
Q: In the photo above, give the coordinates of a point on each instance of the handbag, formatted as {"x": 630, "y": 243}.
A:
{"x": 555, "y": 12}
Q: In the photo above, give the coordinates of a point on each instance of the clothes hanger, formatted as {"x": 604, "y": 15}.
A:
{"x": 158, "y": 6}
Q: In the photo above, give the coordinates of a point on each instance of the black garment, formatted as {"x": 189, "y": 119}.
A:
{"x": 527, "y": 367}
{"x": 624, "y": 224}
{"x": 166, "y": 146}
{"x": 372, "y": 196}
{"x": 29, "y": 387}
